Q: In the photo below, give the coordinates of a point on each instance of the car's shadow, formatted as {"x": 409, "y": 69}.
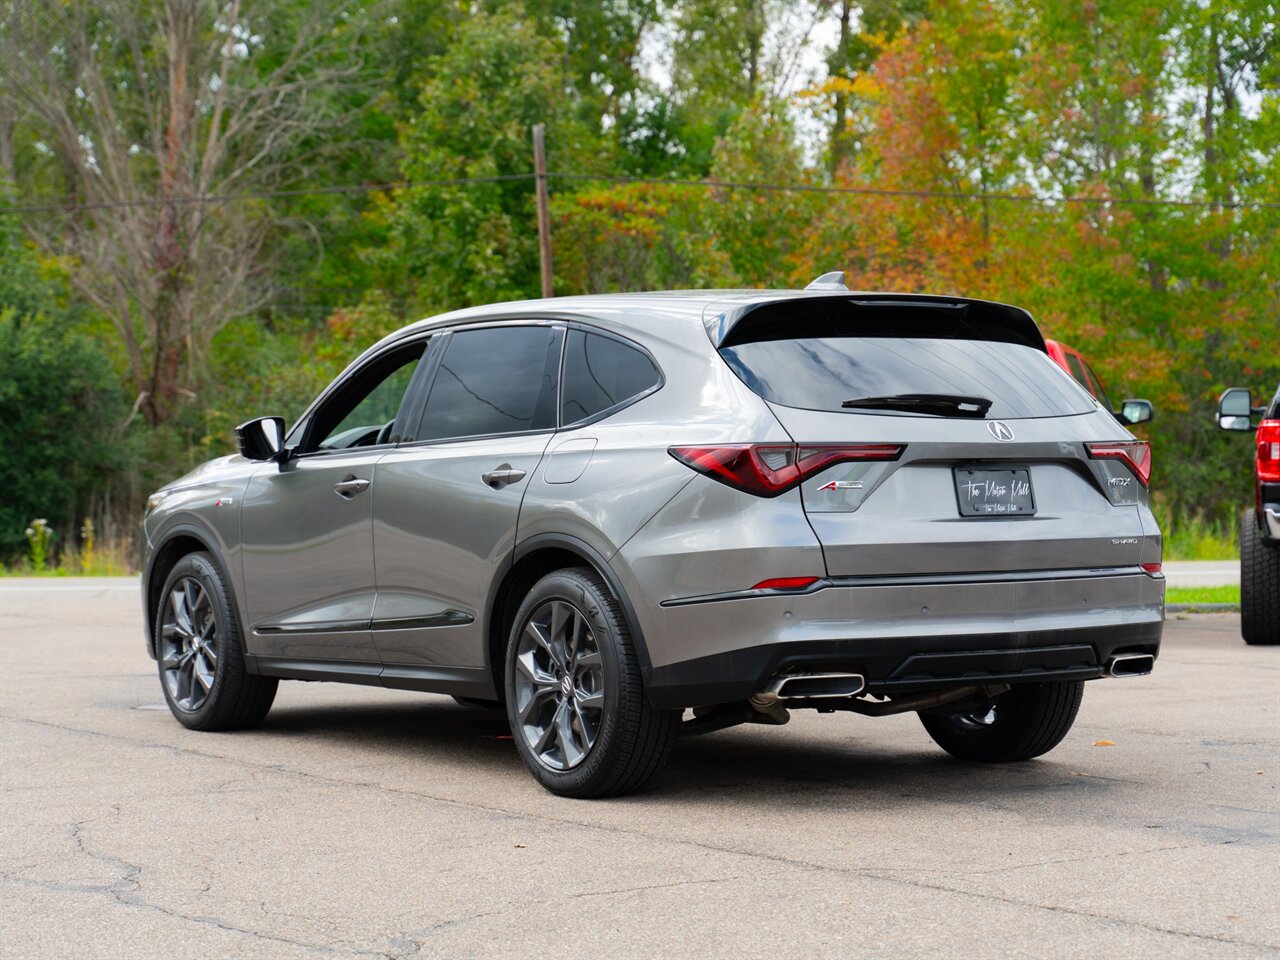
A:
{"x": 841, "y": 758}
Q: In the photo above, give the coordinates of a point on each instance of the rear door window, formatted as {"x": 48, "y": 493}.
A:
{"x": 820, "y": 373}
{"x": 600, "y": 374}
{"x": 494, "y": 380}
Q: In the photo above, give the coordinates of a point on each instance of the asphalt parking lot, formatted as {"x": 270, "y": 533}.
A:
{"x": 363, "y": 822}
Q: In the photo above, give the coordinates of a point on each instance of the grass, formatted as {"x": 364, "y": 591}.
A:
{"x": 1224, "y": 594}
{"x": 112, "y": 558}
{"x": 1199, "y": 538}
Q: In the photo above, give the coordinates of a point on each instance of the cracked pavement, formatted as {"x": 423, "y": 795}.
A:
{"x": 371, "y": 823}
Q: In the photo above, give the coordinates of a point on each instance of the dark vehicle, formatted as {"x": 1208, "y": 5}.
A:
{"x": 600, "y": 512}
{"x": 1259, "y": 527}
{"x": 1131, "y": 412}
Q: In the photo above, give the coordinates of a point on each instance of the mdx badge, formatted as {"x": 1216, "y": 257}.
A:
{"x": 1000, "y": 430}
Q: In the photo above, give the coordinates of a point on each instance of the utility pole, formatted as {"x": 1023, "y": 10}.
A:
{"x": 544, "y": 207}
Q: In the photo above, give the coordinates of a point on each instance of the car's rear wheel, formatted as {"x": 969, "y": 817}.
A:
{"x": 1027, "y": 721}
{"x": 200, "y": 655}
{"x": 575, "y": 697}
{"x": 1259, "y": 585}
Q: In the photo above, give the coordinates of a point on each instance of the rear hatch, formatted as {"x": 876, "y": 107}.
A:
{"x": 994, "y": 475}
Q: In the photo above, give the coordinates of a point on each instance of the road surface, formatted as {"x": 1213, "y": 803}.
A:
{"x": 359, "y": 822}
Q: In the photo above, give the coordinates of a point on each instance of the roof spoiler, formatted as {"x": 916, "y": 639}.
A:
{"x": 873, "y": 314}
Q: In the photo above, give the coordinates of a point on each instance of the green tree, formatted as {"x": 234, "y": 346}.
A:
{"x": 140, "y": 107}
{"x": 455, "y": 245}
{"x": 61, "y": 408}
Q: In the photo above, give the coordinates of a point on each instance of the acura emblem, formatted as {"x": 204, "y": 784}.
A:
{"x": 1000, "y": 430}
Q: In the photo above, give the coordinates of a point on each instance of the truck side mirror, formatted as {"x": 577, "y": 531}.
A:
{"x": 1235, "y": 409}
{"x": 261, "y": 439}
{"x": 1137, "y": 411}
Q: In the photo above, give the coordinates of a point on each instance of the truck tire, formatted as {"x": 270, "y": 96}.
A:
{"x": 1029, "y": 720}
{"x": 1259, "y": 585}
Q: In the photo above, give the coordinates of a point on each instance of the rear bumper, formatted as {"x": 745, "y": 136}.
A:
{"x": 1271, "y": 521}
{"x": 905, "y": 634}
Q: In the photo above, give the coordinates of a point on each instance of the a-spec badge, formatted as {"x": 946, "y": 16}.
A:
{"x": 841, "y": 485}
{"x": 223, "y": 502}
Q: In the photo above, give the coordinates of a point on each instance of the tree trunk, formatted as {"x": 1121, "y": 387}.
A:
{"x": 839, "y": 152}
{"x": 1157, "y": 276}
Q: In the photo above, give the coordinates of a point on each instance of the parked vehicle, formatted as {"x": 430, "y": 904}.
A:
{"x": 1131, "y": 412}
{"x": 1259, "y": 527}
{"x": 598, "y": 512}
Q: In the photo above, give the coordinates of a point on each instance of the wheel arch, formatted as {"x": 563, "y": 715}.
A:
{"x": 177, "y": 542}
{"x": 532, "y": 560}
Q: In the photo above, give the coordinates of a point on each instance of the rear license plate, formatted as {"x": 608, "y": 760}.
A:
{"x": 987, "y": 492}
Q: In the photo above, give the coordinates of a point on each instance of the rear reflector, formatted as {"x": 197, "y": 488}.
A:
{"x": 1135, "y": 454}
{"x": 770, "y": 469}
{"x": 786, "y": 583}
{"x": 1151, "y": 568}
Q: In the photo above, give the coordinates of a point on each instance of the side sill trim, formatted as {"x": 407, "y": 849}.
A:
{"x": 912, "y": 580}
{"x": 445, "y": 618}
{"x": 319, "y": 626}
{"x": 458, "y": 681}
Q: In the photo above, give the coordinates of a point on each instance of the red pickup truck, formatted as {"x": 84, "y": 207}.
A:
{"x": 1072, "y": 361}
{"x": 1259, "y": 527}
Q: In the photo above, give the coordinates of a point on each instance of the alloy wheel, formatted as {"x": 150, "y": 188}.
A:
{"x": 559, "y": 685}
{"x": 189, "y": 644}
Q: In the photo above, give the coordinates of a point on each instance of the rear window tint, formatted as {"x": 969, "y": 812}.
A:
{"x": 493, "y": 381}
{"x": 600, "y": 373}
{"x": 820, "y": 373}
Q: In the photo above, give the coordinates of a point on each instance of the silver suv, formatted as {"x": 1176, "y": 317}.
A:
{"x": 599, "y": 512}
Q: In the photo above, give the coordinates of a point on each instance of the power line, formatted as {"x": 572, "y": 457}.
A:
{"x": 941, "y": 194}
{"x": 69, "y": 206}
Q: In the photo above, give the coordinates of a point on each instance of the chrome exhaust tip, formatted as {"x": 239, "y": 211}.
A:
{"x": 1130, "y": 665}
{"x": 812, "y": 686}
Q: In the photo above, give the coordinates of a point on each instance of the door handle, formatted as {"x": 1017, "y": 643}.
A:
{"x": 349, "y": 486}
{"x": 504, "y": 475}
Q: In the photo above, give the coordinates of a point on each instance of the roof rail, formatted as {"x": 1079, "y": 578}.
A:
{"x": 829, "y": 281}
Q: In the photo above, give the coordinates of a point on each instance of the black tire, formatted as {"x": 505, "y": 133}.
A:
{"x": 632, "y": 741}
{"x": 235, "y": 699}
{"x": 478, "y": 702}
{"x": 1259, "y": 585}
{"x": 1030, "y": 720}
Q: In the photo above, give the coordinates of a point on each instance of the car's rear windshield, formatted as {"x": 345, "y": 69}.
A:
{"x": 821, "y": 373}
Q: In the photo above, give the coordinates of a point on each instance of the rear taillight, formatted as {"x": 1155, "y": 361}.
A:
{"x": 769, "y": 469}
{"x": 1151, "y": 568}
{"x": 1269, "y": 451}
{"x": 1136, "y": 454}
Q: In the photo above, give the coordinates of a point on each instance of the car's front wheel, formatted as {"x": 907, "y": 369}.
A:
{"x": 1259, "y": 585}
{"x": 199, "y": 652}
{"x": 1027, "y": 721}
{"x": 575, "y": 697}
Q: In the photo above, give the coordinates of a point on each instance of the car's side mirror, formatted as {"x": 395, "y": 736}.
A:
{"x": 1235, "y": 409}
{"x": 261, "y": 439}
{"x": 1137, "y": 411}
